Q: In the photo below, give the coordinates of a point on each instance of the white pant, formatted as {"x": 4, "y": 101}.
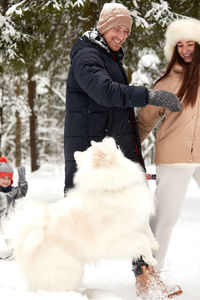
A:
{"x": 172, "y": 183}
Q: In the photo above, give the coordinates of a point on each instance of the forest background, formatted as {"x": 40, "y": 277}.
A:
{"x": 35, "y": 41}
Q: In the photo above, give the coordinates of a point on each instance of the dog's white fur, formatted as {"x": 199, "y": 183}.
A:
{"x": 105, "y": 216}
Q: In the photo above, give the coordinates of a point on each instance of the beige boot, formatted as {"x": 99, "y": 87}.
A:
{"x": 150, "y": 286}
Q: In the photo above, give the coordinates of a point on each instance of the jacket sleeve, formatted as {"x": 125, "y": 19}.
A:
{"x": 93, "y": 78}
{"x": 21, "y": 190}
{"x": 7, "y": 201}
{"x": 147, "y": 118}
{"x": 18, "y": 191}
{"x": 4, "y": 203}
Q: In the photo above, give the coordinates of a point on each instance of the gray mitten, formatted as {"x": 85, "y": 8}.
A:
{"x": 165, "y": 99}
{"x": 21, "y": 174}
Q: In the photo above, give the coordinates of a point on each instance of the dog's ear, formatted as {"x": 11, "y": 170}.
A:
{"x": 93, "y": 143}
{"x": 78, "y": 156}
{"x": 109, "y": 141}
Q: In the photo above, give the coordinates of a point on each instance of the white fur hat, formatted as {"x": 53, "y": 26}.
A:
{"x": 183, "y": 29}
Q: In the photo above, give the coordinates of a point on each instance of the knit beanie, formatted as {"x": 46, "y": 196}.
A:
{"x": 183, "y": 29}
{"x": 5, "y": 169}
{"x": 112, "y": 15}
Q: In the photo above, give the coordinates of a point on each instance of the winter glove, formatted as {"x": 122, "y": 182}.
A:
{"x": 21, "y": 174}
{"x": 165, "y": 99}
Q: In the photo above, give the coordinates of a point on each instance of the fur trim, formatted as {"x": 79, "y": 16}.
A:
{"x": 184, "y": 29}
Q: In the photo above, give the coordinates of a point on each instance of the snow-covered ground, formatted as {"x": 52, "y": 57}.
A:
{"x": 114, "y": 280}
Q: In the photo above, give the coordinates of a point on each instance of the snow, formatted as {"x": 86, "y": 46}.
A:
{"x": 148, "y": 63}
{"x": 78, "y": 3}
{"x": 113, "y": 280}
{"x": 14, "y": 9}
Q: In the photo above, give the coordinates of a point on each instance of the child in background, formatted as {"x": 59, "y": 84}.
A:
{"x": 8, "y": 195}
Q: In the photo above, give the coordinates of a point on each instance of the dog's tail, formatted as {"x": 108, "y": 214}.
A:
{"x": 25, "y": 225}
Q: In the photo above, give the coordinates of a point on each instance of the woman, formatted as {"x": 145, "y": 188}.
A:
{"x": 177, "y": 155}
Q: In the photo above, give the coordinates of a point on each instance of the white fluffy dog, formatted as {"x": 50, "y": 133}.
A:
{"x": 105, "y": 216}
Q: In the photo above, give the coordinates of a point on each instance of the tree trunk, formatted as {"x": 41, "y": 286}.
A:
{"x": 18, "y": 132}
{"x": 18, "y": 140}
{"x": 1, "y": 128}
{"x": 33, "y": 121}
{"x": 4, "y": 6}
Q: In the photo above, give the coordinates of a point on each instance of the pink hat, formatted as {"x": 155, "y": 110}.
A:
{"x": 112, "y": 15}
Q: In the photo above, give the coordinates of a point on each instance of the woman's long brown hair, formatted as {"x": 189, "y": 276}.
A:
{"x": 189, "y": 88}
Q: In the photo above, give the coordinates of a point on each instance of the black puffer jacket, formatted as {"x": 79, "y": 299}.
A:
{"x": 99, "y": 101}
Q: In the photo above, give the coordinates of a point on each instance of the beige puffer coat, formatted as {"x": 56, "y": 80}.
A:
{"x": 178, "y": 137}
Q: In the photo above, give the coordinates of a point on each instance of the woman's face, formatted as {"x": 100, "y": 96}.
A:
{"x": 186, "y": 50}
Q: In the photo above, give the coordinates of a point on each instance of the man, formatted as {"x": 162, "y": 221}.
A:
{"x": 99, "y": 101}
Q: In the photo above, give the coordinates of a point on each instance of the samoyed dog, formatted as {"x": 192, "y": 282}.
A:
{"x": 105, "y": 216}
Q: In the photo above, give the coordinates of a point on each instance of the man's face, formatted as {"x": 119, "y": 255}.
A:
{"x": 5, "y": 181}
{"x": 116, "y": 36}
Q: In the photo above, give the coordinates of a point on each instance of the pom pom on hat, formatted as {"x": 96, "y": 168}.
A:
{"x": 112, "y": 15}
{"x": 5, "y": 169}
{"x": 182, "y": 29}
{"x": 3, "y": 159}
